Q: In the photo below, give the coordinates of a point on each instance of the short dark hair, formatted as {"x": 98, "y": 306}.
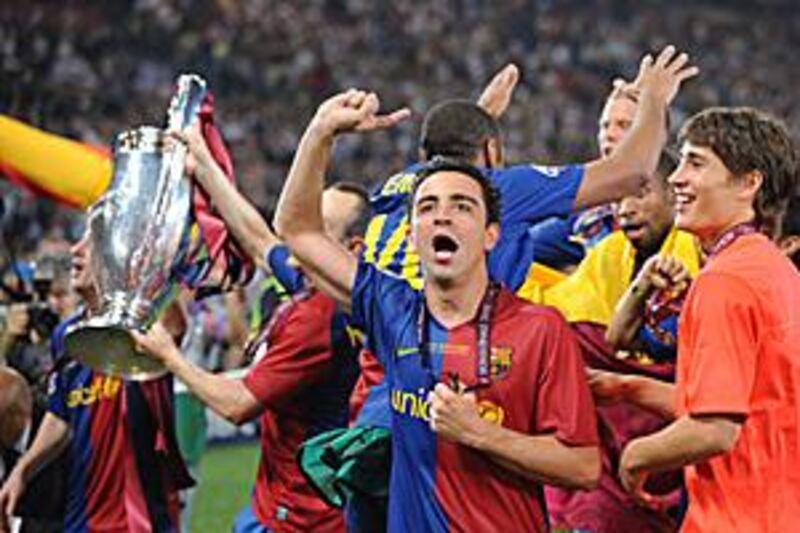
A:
{"x": 667, "y": 163}
{"x": 746, "y": 139}
{"x": 457, "y": 129}
{"x": 790, "y": 224}
{"x": 358, "y": 226}
{"x": 491, "y": 196}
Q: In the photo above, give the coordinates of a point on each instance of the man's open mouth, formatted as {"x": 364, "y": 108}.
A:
{"x": 444, "y": 247}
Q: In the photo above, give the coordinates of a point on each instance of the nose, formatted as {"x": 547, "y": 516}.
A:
{"x": 678, "y": 178}
{"x": 628, "y": 207}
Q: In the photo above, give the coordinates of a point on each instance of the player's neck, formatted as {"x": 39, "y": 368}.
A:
{"x": 456, "y": 302}
{"x": 709, "y": 238}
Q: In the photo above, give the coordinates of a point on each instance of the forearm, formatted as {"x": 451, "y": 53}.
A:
{"x": 638, "y": 153}
{"x": 542, "y": 458}
{"x": 623, "y": 172}
{"x": 628, "y": 318}
{"x": 686, "y": 441}
{"x": 300, "y": 205}
{"x": 651, "y": 394}
{"x": 227, "y": 397}
{"x": 329, "y": 265}
{"x": 50, "y": 441}
{"x": 241, "y": 218}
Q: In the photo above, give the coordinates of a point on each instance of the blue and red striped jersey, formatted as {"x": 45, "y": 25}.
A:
{"x": 538, "y": 386}
{"x": 124, "y": 468}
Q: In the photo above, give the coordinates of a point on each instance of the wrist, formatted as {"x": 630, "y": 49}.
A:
{"x": 479, "y": 437}
{"x": 321, "y": 131}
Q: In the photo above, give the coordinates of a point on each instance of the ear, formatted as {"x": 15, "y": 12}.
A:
{"x": 751, "y": 183}
{"x": 356, "y": 245}
{"x": 493, "y": 153}
{"x": 492, "y": 234}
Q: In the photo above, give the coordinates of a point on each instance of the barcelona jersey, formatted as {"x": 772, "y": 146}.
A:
{"x": 529, "y": 194}
{"x": 124, "y": 468}
{"x": 537, "y": 386}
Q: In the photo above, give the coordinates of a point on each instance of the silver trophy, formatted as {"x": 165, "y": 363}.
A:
{"x": 138, "y": 231}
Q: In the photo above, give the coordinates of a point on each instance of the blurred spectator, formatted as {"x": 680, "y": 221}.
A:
{"x": 89, "y": 70}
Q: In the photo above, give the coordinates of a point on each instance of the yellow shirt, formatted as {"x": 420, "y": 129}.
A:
{"x": 591, "y": 293}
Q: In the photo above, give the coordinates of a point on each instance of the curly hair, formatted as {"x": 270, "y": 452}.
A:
{"x": 747, "y": 140}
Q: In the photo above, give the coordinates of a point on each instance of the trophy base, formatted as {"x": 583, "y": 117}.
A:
{"x": 110, "y": 349}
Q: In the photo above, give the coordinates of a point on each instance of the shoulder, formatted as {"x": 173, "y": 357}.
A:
{"x": 527, "y": 315}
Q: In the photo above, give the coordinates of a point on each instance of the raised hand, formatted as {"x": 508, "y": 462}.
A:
{"x": 661, "y": 77}
{"x": 157, "y": 343}
{"x": 199, "y": 157}
{"x": 354, "y": 110}
{"x": 497, "y": 95}
{"x": 663, "y": 272}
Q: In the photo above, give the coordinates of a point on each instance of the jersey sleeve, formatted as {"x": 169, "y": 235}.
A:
{"x": 721, "y": 348}
{"x": 531, "y": 193}
{"x": 57, "y": 392}
{"x": 299, "y": 354}
{"x": 564, "y": 405}
{"x": 379, "y": 301}
{"x": 289, "y": 277}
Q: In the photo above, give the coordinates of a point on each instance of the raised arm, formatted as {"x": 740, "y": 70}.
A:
{"x": 609, "y": 179}
{"x": 299, "y": 216}
{"x": 241, "y": 218}
{"x": 658, "y": 272}
{"x": 497, "y": 94}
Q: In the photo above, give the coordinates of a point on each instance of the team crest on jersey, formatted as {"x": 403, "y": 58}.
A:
{"x": 491, "y": 412}
{"x": 549, "y": 171}
{"x": 500, "y": 361}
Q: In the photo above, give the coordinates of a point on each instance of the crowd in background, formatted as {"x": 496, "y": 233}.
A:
{"x": 89, "y": 70}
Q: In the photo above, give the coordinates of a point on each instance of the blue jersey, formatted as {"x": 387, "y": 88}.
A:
{"x": 529, "y": 194}
{"x": 537, "y": 386}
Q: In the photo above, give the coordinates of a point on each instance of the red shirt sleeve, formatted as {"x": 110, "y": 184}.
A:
{"x": 299, "y": 353}
{"x": 718, "y": 346}
{"x": 564, "y": 404}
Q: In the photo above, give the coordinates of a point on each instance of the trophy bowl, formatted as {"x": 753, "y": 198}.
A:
{"x": 138, "y": 229}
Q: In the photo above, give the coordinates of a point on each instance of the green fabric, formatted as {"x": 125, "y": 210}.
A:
{"x": 344, "y": 462}
{"x": 190, "y": 426}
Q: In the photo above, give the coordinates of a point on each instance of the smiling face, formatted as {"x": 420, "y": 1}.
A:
{"x": 448, "y": 227}
{"x": 708, "y": 200}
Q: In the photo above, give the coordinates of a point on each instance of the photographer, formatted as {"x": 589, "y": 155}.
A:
{"x": 37, "y": 297}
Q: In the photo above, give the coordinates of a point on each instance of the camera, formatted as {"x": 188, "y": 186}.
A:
{"x": 29, "y": 284}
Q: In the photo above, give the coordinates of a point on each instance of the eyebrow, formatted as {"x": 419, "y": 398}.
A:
{"x": 694, "y": 156}
{"x": 453, "y": 197}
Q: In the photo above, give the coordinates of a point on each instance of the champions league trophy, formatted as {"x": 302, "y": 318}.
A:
{"x": 137, "y": 231}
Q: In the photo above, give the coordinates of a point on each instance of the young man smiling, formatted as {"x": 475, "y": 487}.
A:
{"x": 736, "y": 403}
